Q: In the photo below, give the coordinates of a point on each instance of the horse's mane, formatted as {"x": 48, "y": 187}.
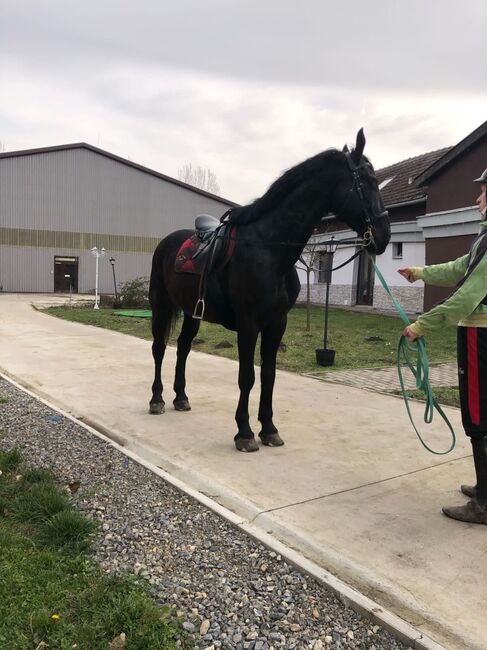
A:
{"x": 289, "y": 182}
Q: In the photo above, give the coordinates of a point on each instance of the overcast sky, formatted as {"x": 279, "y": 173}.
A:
{"x": 247, "y": 88}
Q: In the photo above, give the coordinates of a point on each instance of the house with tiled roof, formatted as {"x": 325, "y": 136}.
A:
{"x": 431, "y": 204}
{"x": 397, "y": 182}
{"x": 451, "y": 218}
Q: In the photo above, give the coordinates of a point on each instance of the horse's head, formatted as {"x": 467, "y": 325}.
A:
{"x": 357, "y": 200}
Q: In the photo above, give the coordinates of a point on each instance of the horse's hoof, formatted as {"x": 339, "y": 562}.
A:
{"x": 246, "y": 444}
{"x": 182, "y": 405}
{"x": 156, "y": 408}
{"x": 271, "y": 440}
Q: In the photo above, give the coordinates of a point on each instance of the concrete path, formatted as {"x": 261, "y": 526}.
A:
{"x": 352, "y": 488}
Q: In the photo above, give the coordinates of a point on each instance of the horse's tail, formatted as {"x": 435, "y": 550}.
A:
{"x": 164, "y": 311}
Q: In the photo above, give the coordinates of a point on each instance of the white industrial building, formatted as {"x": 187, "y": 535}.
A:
{"x": 57, "y": 203}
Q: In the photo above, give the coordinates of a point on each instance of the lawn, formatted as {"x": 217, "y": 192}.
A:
{"x": 52, "y": 595}
{"x": 448, "y": 395}
{"x": 360, "y": 340}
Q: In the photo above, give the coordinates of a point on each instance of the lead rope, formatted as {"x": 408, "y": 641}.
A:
{"x": 420, "y": 370}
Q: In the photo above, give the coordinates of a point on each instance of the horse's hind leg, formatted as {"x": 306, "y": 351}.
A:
{"x": 247, "y": 338}
{"x": 270, "y": 339}
{"x": 188, "y": 332}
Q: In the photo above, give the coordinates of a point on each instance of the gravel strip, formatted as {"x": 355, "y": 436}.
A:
{"x": 231, "y": 590}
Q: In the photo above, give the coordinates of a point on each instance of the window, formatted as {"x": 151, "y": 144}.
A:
{"x": 385, "y": 182}
{"x": 397, "y": 250}
{"x": 325, "y": 263}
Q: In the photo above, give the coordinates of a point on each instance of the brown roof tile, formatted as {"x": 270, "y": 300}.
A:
{"x": 401, "y": 189}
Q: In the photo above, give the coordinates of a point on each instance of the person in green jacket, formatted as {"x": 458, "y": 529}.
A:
{"x": 466, "y": 307}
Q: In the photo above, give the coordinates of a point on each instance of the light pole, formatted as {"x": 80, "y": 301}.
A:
{"x": 326, "y": 357}
{"x": 112, "y": 262}
{"x": 97, "y": 254}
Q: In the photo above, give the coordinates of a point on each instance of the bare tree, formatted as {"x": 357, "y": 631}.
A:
{"x": 200, "y": 177}
{"x": 309, "y": 258}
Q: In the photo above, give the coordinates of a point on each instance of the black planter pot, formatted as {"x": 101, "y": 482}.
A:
{"x": 325, "y": 357}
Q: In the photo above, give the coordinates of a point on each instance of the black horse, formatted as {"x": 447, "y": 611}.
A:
{"x": 253, "y": 293}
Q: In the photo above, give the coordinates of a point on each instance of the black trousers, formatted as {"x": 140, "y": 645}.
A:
{"x": 472, "y": 379}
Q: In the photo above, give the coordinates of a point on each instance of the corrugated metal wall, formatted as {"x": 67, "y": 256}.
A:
{"x": 65, "y": 202}
{"x": 32, "y": 269}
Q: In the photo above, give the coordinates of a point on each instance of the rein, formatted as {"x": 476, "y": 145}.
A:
{"x": 420, "y": 371}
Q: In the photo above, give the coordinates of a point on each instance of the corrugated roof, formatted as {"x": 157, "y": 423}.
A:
{"x": 401, "y": 189}
{"x": 125, "y": 161}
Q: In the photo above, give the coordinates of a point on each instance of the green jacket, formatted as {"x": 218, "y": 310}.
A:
{"x": 464, "y": 307}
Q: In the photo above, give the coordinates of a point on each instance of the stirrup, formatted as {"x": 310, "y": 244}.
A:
{"x": 199, "y": 310}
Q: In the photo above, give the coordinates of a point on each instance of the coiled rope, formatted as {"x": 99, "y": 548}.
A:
{"x": 415, "y": 357}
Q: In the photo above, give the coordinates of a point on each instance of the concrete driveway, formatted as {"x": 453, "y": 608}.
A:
{"x": 352, "y": 489}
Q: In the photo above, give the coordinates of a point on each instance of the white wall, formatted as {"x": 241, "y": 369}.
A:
{"x": 413, "y": 254}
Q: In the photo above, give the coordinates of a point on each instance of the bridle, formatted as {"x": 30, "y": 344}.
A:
{"x": 358, "y": 188}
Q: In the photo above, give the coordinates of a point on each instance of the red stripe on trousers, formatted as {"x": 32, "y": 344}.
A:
{"x": 473, "y": 375}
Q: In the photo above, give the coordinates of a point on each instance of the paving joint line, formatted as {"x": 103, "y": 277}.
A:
{"x": 356, "y": 487}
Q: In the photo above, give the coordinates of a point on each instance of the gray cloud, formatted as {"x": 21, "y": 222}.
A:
{"x": 247, "y": 88}
{"x": 437, "y": 44}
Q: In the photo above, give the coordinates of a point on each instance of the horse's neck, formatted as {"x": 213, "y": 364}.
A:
{"x": 290, "y": 227}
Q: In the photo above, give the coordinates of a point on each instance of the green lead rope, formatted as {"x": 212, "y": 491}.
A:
{"x": 406, "y": 351}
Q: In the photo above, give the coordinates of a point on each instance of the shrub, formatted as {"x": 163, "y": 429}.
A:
{"x": 134, "y": 293}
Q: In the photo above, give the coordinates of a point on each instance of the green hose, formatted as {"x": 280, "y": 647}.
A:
{"x": 420, "y": 370}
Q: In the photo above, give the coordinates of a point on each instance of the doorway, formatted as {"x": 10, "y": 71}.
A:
{"x": 65, "y": 274}
{"x": 365, "y": 280}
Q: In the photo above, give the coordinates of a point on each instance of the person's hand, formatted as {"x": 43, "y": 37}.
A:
{"x": 407, "y": 273}
{"x": 409, "y": 334}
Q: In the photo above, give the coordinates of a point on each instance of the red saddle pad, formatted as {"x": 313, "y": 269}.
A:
{"x": 185, "y": 263}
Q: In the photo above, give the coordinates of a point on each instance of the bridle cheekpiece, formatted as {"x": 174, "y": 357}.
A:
{"x": 358, "y": 187}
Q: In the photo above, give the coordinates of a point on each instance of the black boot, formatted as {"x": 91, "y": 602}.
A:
{"x": 475, "y": 511}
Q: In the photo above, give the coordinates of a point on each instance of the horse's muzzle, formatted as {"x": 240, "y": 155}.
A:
{"x": 381, "y": 232}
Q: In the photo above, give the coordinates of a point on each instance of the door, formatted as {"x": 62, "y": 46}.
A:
{"x": 365, "y": 280}
{"x": 66, "y": 274}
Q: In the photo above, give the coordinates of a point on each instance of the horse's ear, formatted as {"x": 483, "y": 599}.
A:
{"x": 359, "y": 147}
{"x": 345, "y": 148}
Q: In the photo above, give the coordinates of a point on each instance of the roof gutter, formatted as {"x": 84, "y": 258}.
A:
{"x": 405, "y": 203}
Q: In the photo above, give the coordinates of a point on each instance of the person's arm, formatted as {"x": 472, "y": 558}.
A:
{"x": 458, "y": 306}
{"x": 441, "y": 275}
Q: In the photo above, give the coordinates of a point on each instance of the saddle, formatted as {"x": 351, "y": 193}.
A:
{"x": 209, "y": 249}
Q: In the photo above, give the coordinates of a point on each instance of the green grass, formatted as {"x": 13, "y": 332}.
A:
{"x": 348, "y": 334}
{"x": 447, "y": 395}
{"x": 50, "y": 590}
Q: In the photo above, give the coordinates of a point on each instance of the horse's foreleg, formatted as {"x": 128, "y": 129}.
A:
{"x": 271, "y": 337}
{"x": 156, "y": 405}
{"x": 188, "y": 332}
{"x": 245, "y": 439}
